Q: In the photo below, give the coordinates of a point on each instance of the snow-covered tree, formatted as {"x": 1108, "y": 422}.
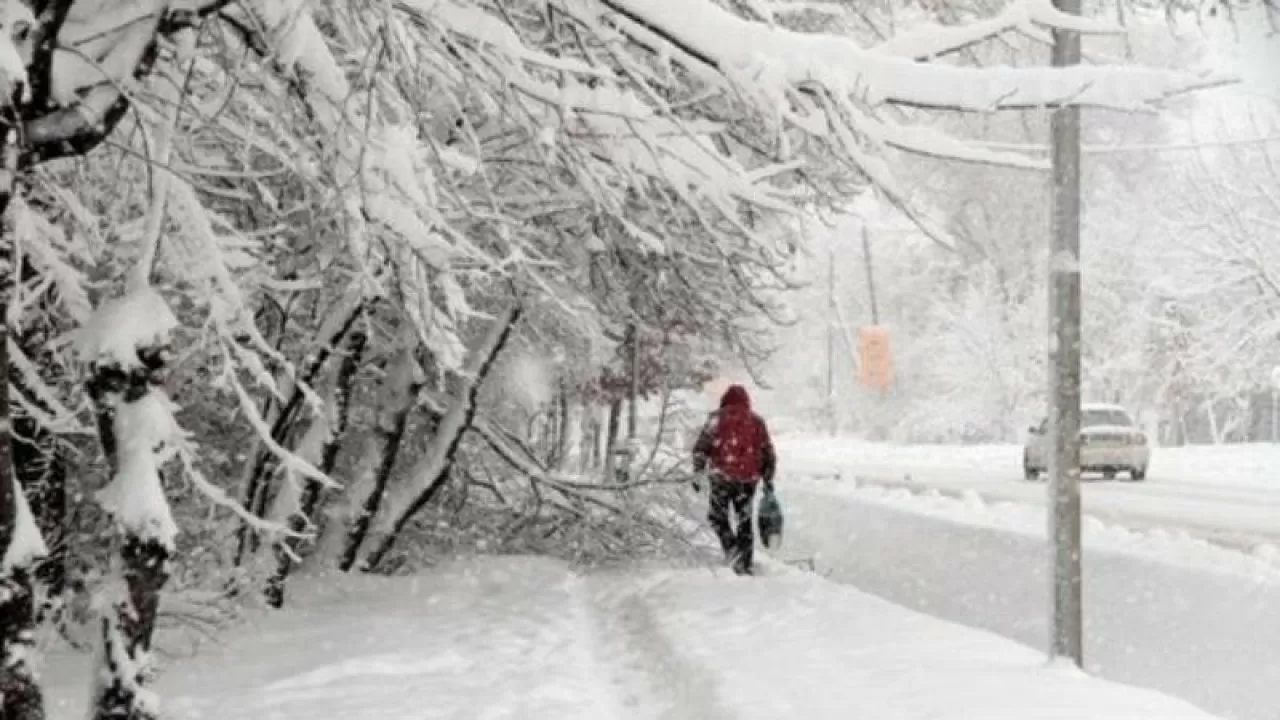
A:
{"x": 224, "y": 196}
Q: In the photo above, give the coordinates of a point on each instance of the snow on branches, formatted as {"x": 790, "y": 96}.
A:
{"x": 778, "y": 61}
{"x": 586, "y": 152}
{"x": 613, "y": 163}
{"x": 16, "y": 25}
{"x": 117, "y": 334}
{"x": 27, "y": 545}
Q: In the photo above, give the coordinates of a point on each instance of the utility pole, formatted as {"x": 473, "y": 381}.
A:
{"x": 634, "y": 390}
{"x": 1275, "y": 404}
{"x": 871, "y": 281}
{"x": 1064, "y": 362}
{"x": 881, "y": 402}
{"x": 833, "y": 424}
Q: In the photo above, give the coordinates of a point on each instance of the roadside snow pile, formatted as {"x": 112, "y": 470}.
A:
{"x": 1171, "y": 546}
{"x": 796, "y": 646}
{"x": 527, "y": 638}
{"x": 1246, "y": 465}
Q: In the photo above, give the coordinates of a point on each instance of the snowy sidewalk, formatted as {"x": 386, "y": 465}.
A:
{"x": 499, "y": 638}
{"x": 795, "y": 645}
{"x": 526, "y": 638}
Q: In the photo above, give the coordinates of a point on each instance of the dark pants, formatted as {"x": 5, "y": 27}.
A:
{"x": 737, "y": 538}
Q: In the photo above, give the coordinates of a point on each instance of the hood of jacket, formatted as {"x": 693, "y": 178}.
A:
{"x": 735, "y": 397}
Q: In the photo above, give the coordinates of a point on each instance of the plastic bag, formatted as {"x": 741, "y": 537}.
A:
{"x": 769, "y": 518}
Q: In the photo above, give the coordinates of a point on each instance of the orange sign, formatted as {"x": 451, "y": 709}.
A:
{"x": 875, "y": 357}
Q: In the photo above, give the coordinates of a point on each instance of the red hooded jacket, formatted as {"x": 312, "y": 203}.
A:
{"x": 735, "y": 441}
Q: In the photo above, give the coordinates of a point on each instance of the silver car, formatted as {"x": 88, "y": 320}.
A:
{"x": 1110, "y": 443}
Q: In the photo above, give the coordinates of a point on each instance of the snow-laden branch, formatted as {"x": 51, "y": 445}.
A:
{"x": 288, "y": 460}
{"x": 26, "y": 546}
{"x": 931, "y": 40}
{"x": 636, "y": 134}
{"x": 775, "y": 59}
{"x": 45, "y": 406}
{"x": 17, "y": 26}
{"x": 113, "y": 336}
{"x": 171, "y": 93}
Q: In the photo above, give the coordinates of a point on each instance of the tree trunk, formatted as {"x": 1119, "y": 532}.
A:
{"x": 391, "y": 442}
{"x": 611, "y": 440}
{"x": 382, "y": 449}
{"x": 256, "y": 493}
{"x": 305, "y": 516}
{"x": 145, "y": 554}
{"x": 20, "y": 695}
{"x": 1215, "y": 432}
{"x": 127, "y": 632}
{"x": 433, "y": 470}
{"x": 561, "y": 410}
{"x": 569, "y": 455}
{"x": 593, "y": 439}
{"x": 633, "y": 391}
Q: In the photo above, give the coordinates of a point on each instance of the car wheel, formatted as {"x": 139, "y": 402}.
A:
{"x": 1031, "y": 474}
{"x": 1138, "y": 474}
{"x": 1108, "y": 474}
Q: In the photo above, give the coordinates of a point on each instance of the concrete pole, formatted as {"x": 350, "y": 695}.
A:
{"x": 1064, "y": 363}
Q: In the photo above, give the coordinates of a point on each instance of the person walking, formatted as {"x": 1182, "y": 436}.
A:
{"x": 734, "y": 449}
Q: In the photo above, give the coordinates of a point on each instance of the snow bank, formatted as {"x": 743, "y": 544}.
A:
{"x": 1246, "y": 465}
{"x": 796, "y": 646}
{"x": 1170, "y": 546}
{"x": 527, "y": 638}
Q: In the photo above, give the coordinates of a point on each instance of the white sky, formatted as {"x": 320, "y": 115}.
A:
{"x": 1252, "y": 49}
{"x": 1249, "y": 49}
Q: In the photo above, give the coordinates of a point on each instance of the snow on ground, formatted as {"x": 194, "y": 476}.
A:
{"x": 500, "y": 639}
{"x": 528, "y": 638}
{"x": 794, "y": 645}
{"x": 1162, "y": 610}
{"x": 1249, "y": 465}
